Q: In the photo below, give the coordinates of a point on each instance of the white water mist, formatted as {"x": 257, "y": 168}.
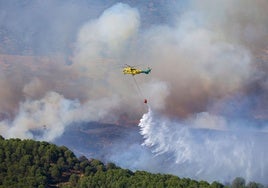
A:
{"x": 206, "y": 153}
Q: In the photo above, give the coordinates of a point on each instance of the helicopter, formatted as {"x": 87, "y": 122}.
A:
{"x": 133, "y": 71}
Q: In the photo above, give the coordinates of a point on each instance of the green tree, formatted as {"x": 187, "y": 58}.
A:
{"x": 55, "y": 172}
{"x": 216, "y": 184}
{"x": 254, "y": 185}
{"x": 89, "y": 170}
{"x": 111, "y": 166}
{"x": 1, "y": 138}
{"x": 238, "y": 183}
{"x": 74, "y": 180}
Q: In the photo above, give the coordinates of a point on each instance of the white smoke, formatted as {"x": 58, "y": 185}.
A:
{"x": 206, "y": 153}
{"x": 107, "y": 36}
{"x": 85, "y": 91}
{"x": 52, "y": 114}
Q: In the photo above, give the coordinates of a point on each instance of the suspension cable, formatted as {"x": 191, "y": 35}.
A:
{"x": 139, "y": 90}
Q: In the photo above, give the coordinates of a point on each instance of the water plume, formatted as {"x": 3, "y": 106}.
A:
{"x": 204, "y": 153}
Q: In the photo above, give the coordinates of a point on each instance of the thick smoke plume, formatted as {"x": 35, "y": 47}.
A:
{"x": 46, "y": 94}
{"x": 60, "y": 64}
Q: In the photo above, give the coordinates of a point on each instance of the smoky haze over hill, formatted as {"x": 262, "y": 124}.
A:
{"x": 61, "y": 67}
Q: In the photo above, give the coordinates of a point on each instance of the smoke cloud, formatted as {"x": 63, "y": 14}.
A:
{"x": 60, "y": 65}
{"x": 46, "y": 94}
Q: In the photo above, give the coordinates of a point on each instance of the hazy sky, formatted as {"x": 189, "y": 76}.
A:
{"x": 60, "y": 64}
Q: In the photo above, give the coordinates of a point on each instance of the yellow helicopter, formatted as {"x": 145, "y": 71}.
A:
{"x": 133, "y": 71}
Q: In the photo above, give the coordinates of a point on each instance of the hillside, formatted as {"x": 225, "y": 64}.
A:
{"x": 29, "y": 163}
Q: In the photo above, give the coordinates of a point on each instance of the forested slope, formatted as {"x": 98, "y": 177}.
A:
{"x": 29, "y": 163}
